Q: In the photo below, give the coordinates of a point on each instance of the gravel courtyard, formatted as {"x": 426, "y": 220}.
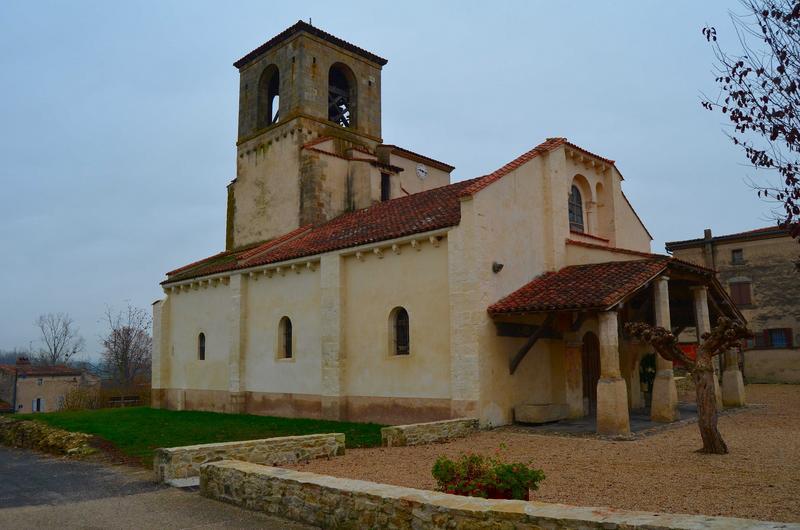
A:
{"x": 759, "y": 479}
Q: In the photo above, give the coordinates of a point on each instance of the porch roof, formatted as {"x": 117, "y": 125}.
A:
{"x": 596, "y": 286}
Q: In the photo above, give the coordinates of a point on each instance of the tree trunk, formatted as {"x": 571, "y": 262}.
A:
{"x": 703, "y": 376}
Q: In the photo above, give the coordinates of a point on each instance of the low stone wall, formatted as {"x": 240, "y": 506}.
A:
{"x": 426, "y": 433}
{"x": 330, "y": 502}
{"x": 772, "y": 366}
{"x": 184, "y": 462}
{"x": 30, "y": 434}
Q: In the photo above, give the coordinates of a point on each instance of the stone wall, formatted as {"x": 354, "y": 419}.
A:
{"x": 330, "y": 502}
{"x": 184, "y": 462}
{"x": 41, "y": 437}
{"x": 426, "y": 433}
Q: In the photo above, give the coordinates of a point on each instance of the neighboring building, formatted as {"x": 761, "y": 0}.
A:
{"x": 759, "y": 270}
{"x": 359, "y": 283}
{"x": 26, "y": 387}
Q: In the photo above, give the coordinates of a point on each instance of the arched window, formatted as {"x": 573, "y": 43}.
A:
{"x": 575, "y": 210}
{"x": 269, "y": 85}
{"x": 342, "y": 95}
{"x": 201, "y": 346}
{"x": 400, "y": 339}
{"x": 285, "y": 338}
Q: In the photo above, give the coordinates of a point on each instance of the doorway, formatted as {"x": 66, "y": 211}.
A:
{"x": 590, "y": 363}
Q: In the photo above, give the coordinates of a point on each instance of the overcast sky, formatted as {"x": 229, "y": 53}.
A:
{"x": 118, "y": 123}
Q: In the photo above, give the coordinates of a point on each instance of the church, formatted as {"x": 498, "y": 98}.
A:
{"x": 358, "y": 283}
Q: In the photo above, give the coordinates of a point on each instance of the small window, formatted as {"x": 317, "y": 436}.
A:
{"x": 740, "y": 292}
{"x": 737, "y": 256}
{"x": 400, "y": 343}
{"x": 575, "y": 210}
{"x": 40, "y": 381}
{"x": 201, "y": 346}
{"x": 285, "y": 338}
{"x": 386, "y": 187}
{"x": 771, "y": 338}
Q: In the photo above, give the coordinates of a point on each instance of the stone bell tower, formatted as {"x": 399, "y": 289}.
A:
{"x": 300, "y": 90}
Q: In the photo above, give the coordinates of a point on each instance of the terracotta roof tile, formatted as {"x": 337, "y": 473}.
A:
{"x": 542, "y": 148}
{"x": 33, "y": 370}
{"x": 594, "y": 286}
{"x": 417, "y": 213}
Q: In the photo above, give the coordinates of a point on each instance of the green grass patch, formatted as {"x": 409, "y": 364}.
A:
{"x": 137, "y": 431}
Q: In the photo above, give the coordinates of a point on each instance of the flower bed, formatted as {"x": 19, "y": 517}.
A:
{"x": 476, "y": 475}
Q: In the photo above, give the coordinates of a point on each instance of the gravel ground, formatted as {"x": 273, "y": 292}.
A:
{"x": 759, "y": 479}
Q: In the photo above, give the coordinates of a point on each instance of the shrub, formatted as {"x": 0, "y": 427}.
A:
{"x": 476, "y": 475}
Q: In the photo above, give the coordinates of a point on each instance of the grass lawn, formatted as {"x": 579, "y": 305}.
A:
{"x": 137, "y": 431}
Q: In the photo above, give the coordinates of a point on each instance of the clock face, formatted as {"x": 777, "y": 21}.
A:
{"x": 422, "y": 171}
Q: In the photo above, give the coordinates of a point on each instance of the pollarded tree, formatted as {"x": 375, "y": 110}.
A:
{"x": 725, "y": 335}
{"x": 760, "y": 95}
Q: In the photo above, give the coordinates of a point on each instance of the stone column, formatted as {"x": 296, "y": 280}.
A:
{"x": 334, "y": 405}
{"x": 635, "y": 391}
{"x": 700, "y": 295}
{"x": 664, "y": 405}
{"x": 612, "y": 392}
{"x": 732, "y": 382}
{"x": 573, "y": 374}
{"x": 236, "y": 343}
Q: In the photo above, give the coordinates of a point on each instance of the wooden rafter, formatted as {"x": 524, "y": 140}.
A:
{"x": 535, "y": 336}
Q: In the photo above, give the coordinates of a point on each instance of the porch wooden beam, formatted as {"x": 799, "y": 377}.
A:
{"x": 515, "y": 329}
{"x": 535, "y": 336}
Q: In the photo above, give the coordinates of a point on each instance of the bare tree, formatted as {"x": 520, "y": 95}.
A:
{"x": 128, "y": 345}
{"x": 60, "y": 337}
{"x": 760, "y": 95}
{"x": 725, "y": 335}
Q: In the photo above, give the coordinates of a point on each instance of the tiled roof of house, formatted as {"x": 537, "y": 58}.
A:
{"x": 758, "y": 233}
{"x": 414, "y": 214}
{"x": 33, "y": 370}
{"x": 308, "y": 28}
{"x": 595, "y": 286}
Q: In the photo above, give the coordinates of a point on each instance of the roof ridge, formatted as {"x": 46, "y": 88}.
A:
{"x": 545, "y": 147}
{"x": 312, "y": 30}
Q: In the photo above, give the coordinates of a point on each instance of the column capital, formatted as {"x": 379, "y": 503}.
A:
{"x": 698, "y": 288}
{"x": 662, "y": 278}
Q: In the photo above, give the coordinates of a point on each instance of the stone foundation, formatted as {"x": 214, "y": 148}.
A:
{"x": 426, "y": 433}
{"x": 330, "y": 502}
{"x": 184, "y": 462}
{"x": 367, "y": 409}
{"x": 541, "y": 413}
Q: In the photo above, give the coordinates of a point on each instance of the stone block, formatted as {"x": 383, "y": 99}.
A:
{"x": 426, "y": 433}
{"x": 184, "y": 462}
{"x": 531, "y": 413}
{"x": 330, "y": 502}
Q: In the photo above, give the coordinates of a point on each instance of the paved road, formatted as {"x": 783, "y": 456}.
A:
{"x": 39, "y": 492}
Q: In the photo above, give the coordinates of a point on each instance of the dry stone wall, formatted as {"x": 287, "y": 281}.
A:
{"x": 330, "y": 502}
{"x": 35, "y": 435}
{"x": 184, "y": 462}
{"x": 426, "y": 433}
